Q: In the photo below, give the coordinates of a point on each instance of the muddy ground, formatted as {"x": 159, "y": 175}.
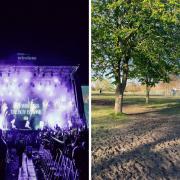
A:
{"x": 147, "y": 146}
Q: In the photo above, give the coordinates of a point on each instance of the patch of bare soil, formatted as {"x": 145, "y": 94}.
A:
{"x": 147, "y": 147}
{"x": 136, "y": 109}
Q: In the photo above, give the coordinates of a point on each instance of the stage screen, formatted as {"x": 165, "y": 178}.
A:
{"x": 25, "y": 114}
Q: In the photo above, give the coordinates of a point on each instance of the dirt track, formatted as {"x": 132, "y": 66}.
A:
{"x": 146, "y": 147}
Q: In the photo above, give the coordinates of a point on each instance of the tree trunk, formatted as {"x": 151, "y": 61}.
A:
{"x": 121, "y": 75}
{"x": 118, "y": 100}
{"x": 147, "y": 94}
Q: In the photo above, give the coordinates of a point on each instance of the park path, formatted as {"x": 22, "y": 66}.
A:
{"x": 146, "y": 147}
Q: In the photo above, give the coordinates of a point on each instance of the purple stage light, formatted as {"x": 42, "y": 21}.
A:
{"x": 50, "y": 94}
{"x": 6, "y": 80}
{"x": 70, "y": 104}
{"x": 39, "y": 87}
{"x": 69, "y": 123}
{"x": 56, "y": 80}
{"x": 24, "y": 76}
{"x": 48, "y": 89}
{"x": 56, "y": 103}
{"x": 15, "y": 80}
{"x": 45, "y": 104}
{"x": 3, "y": 90}
{"x": 13, "y": 87}
{"x": 1, "y": 94}
{"x": 53, "y": 95}
{"x": 26, "y": 80}
{"x": 63, "y": 99}
{"x": 17, "y": 95}
{"x": 54, "y": 118}
{"x": 10, "y": 93}
{"x": 1, "y": 121}
{"x": 4, "y": 107}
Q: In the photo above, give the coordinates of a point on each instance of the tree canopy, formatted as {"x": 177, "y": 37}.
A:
{"x": 134, "y": 33}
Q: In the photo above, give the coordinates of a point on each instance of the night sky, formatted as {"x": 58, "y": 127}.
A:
{"x": 55, "y": 31}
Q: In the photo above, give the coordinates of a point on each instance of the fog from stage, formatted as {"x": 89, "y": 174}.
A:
{"x": 32, "y": 97}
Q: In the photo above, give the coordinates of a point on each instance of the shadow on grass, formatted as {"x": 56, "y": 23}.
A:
{"x": 169, "y": 109}
{"x": 146, "y": 157}
{"x": 172, "y": 109}
{"x": 103, "y": 94}
{"x": 138, "y": 127}
{"x": 108, "y": 122}
{"x": 126, "y": 94}
{"x": 155, "y": 161}
{"x": 134, "y": 100}
{"x": 164, "y": 111}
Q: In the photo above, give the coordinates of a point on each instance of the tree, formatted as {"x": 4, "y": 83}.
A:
{"x": 157, "y": 55}
{"x": 150, "y": 73}
{"x": 118, "y": 30}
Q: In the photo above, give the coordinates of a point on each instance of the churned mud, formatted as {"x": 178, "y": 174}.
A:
{"x": 145, "y": 147}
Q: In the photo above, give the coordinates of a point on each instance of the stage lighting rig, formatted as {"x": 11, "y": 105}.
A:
{"x": 40, "y": 84}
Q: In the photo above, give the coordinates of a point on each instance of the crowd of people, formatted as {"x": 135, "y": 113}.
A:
{"x": 3, "y": 156}
{"x": 73, "y": 143}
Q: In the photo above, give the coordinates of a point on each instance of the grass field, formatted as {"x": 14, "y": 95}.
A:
{"x": 142, "y": 143}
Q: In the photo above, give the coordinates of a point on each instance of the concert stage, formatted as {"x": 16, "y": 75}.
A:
{"x": 32, "y": 97}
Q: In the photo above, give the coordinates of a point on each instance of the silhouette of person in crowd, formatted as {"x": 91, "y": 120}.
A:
{"x": 3, "y": 159}
{"x": 20, "y": 148}
{"x": 81, "y": 160}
